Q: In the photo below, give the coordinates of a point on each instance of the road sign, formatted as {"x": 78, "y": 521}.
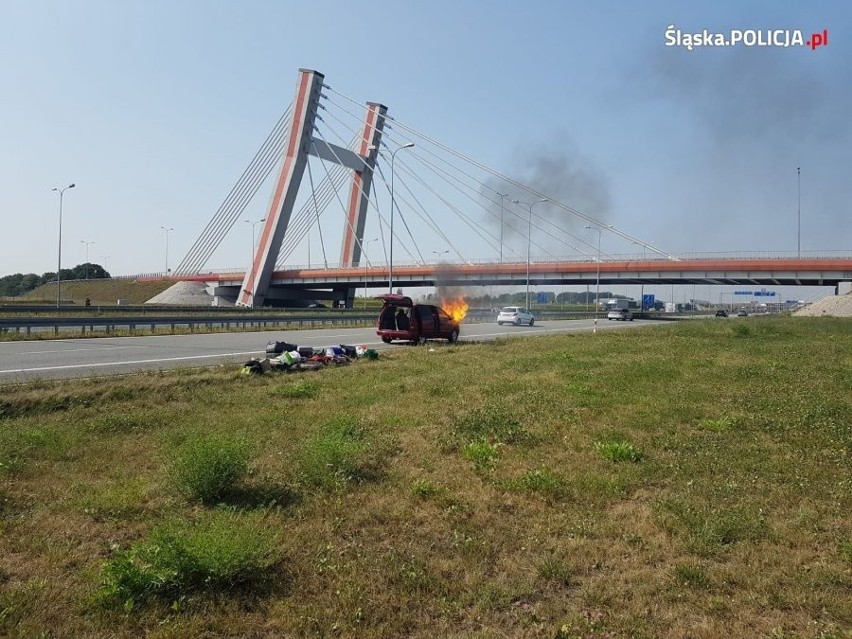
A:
{"x": 764, "y": 293}
{"x": 648, "y": 300}
{"x": 743, "y": 293}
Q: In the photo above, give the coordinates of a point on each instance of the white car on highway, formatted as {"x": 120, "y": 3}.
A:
{"x": 620, "y": 314}
{"x": 515, "y": 315}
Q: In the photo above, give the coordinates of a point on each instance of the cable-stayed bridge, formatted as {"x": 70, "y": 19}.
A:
{"x": 387, "y": 194}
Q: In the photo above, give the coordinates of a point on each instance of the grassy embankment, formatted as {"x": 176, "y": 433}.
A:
{"x": 691, "y": 480}
{"x": 104, "y": 292}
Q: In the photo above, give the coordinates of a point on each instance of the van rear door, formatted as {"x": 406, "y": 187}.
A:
{"x": 428, "y": 320}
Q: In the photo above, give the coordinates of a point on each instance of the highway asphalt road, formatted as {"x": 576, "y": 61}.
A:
{"x": 104, "y": 356}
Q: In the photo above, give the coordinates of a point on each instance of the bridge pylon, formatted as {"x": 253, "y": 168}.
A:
{"x": 300, "y": 144}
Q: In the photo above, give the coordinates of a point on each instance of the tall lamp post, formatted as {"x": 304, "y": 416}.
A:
{"x": 167, "y": 230}
{"x": 366, "y": 263}
{"x": 251, "y": 271}
{"x": 642, "y": 290}
{"x": 502, "y": 195}
{"x": 438, "y": 255}
{"x": 799, "y": 191}
{"x": 59, "y": 259}
{"x": 407, "y": 145}
{"x": 105, "y": 258}
{"x": 598, "y": 278}
{"x": 87, "y": 255}
{"x": 529, "y": 241}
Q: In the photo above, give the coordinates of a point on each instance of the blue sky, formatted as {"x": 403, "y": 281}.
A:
{"x": 155, "y": 108}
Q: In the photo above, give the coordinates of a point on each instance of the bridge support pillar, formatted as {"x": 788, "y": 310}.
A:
{"x": 300, "y": 144}
{"x": 305, "y": 104}
{"x": 362, "y": 180}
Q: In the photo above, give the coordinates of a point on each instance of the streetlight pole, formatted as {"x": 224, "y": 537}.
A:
{"x": 251, "y": 271}
{"x": 87, "y": 255}
{"x": 642, "y": 289}
{"x": 598, "y": 278}
{"x": 502, "y": 195}
{"x": 104, "y": 258}
{"x": 366, "y": 263}
{"x": 59, "y": 259}
{"x": 529, "y": 241}
{"x": 438, "y": 255}
{"x": 799, "y": 190}
{"x": 167, "y": 230}
{"x": 407, "y": 145}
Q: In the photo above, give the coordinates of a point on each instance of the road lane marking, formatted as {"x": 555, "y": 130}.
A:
{"x": 72, "y": 350}
{"x": 128, "y": 363}
{"x": 535, "y": 330}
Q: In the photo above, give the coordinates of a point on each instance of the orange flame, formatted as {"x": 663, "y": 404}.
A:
{"x": 455, "y": 308}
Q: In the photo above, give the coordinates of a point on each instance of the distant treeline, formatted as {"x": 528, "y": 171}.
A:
{"x": 18, "y": 284}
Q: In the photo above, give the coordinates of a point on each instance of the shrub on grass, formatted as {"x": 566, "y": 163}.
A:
{"x": 490, "y": 423}
{"x": 423, "y": 488}
{"x": 741, "y": 330}
{"x": 206, "y": 467}
{"x": 482, "y": 453}
{"x": 301, "y": 389}
{"x": 618, "y": 451}
{"x": 691, "y": 575}
{"x": 336, "y": 455}
{"x": 708, "y": 530}
{"x": 123, "y": 499}
{"x": 221, "y": 550}
{"x": 543, "y": 481}
{"x": 718, "y": 425}
{"x": 555, "y": 570}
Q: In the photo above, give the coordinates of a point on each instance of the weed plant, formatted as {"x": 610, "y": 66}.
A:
{"x": 338, "y": 454}
{"x": 205, "y": 467}
{"x": 618, "y": 451}
{"x": 219, "y": 551}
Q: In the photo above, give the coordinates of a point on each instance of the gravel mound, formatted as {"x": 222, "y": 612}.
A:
{"x": 831, "y": 306}
{"x": 184, "y": 294}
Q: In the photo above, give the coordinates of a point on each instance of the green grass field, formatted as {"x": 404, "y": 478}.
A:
{"x": 103, "y": 292}
{"x": 689, "y": 480}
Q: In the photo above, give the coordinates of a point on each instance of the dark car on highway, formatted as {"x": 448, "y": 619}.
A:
{"x": 401, "y": 319}
{"x": 721, "y": 313}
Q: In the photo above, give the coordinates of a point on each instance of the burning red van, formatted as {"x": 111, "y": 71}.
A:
{"x": 402, "y": 319}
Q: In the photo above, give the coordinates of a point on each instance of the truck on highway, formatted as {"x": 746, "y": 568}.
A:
{"x": 620, "y": 304}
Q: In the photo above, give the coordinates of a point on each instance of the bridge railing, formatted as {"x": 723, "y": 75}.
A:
{"x": 621, "y": 257}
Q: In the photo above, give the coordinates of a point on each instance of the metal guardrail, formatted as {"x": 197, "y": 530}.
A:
{"x": 28, "y": 325}
{"x": 132, "y": 323}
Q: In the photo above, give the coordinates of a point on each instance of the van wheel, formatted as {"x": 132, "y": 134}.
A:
{"x": 454, "y": 336}
{"x": 386, "y": 340}
{"x": 518, "y": 322}
{"x": 532, "y": 321}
